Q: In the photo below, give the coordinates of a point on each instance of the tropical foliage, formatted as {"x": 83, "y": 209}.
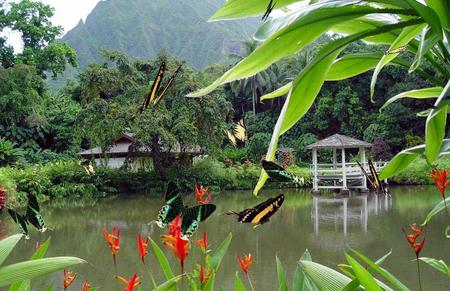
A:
{"x": 406, "y": 26}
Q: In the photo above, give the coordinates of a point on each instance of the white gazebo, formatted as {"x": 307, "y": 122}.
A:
{"x": 341, "y": 175}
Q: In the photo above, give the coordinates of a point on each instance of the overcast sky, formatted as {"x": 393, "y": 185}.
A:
{"x": 67, "y": 14}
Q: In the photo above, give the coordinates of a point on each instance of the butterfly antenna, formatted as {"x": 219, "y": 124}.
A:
{"x": 229, "y": 213}
{"x": 151, "y": 222}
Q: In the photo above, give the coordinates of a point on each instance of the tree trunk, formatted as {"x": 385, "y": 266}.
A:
{"x": 157, "y": 157}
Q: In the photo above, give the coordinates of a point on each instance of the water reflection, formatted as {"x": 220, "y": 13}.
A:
{"x": 325, "y": 226}
{"x": 341, "y": 211}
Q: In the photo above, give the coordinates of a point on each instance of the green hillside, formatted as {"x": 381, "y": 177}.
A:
{"x": 142, "y": 27}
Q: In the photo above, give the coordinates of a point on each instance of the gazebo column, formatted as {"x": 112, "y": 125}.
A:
{"x": 362, "y": 153}
{"x": 344, "y": 190}
{"x": 334, "y": 163}
{"x": 315, "y": 170}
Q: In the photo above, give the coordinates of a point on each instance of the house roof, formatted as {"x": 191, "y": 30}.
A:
{"x": 339, "y": 141}
{"x": 121, "y": 147}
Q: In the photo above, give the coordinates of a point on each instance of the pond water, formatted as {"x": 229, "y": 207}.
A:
{"x": 372, "y": 224}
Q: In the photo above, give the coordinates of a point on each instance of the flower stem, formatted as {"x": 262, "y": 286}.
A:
{"x": 250, "y": 282}
{"x": 418, "y": 272}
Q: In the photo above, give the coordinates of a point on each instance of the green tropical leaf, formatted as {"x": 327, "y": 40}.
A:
{"x": 383, "y": 272}
{"x": 39, "y": 254}
{"x": 435, "y": 132}
{"x": 278, "y": 92}
{"x": 217, "y": 256}
{"x": 291, "y": 39}
{"x": 233, "y": 9}
{"x": 298, "y": 283}
{"x": 407, "y": 34}
{"x": 352, "y": 65}
{"x": 442, "y": 9}
{"x": 282, "y": 282}
{"x": 7, "y": 245}
{"x": 35, "y": 268}
{"x": 365, "y": 278}
{"x": 423, "y": 93}
{"x": 238, "y": 284}
{"x": 323, "y": 277}
{"x": 438, "y": 208}
{"x": 406, "y": 157}
{"x": 169, "y": 284}
{"x": 162, "y": 259}
{"x": 427, "y": 41}
{"x": 428, "y": 15}
{"x": 439, "y": 265}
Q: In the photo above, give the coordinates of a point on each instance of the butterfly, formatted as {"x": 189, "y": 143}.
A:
{"x": 261, "y": 213}
{"x": 269, "y": 10}
{"x": 239, "y": 132}
{"x": 373, "y": 179}
{"x": 32, "y": 216}
{"x": 190, "y": 216}
{"x": 153, "y": 97}
{"x": 396, "y": 51}
{"x": 278, "y": 173}
{"x": 88, "y": 167}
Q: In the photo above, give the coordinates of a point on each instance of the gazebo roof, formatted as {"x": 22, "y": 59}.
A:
{"x": 339, "y": 141}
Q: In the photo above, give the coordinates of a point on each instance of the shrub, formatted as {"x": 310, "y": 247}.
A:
{"x": 299, "y": 146}
{"x": 257, "y": 146}
{"x": 381, "y": 150}
{"x": 9, "y": 154}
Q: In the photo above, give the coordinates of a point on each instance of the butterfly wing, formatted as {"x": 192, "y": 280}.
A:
{"x": 262, "y": 212}
{"x": 150, "y": 98}
{"x": 33, "y": 215}
{"x": 276, "y": 171}
{"x": 161, "y": 95}
{"x": 173, "y": 207}
{"x": 379, "y": 185}
{"x": 369, "y": 178}
{"x": 231, "y": 137}
{"x": 20, "y": 220}
{"x": 240, "y": 132}
{"x": 192, "y": 216}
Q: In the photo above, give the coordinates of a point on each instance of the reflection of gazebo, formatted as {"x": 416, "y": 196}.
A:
{"x": 341, "y": 175}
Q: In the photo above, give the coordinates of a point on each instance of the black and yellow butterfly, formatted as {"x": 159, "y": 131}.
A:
{"x": 239, "y": 132}
{"x": 261, "y": 213}
{"x": 268, "y": 10}
{"x": 155, "y": 96}
{"x": 31, "y": 216}
{"x": 373, "y": 179}
{"x": 279, "y": 174}
{"x": 190, "y": 216}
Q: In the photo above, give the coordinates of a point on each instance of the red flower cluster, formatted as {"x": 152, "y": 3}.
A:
{"x": 2, "y": 197}
{"x": 131, "y": 284}
{"x": 142, "y": 247}
{"x": 204, "y": 275}
{"x": 86, "y": 286}
{"x": 203, "y": 243}
{"x": 245, "y": 264}
{"x": 440, "y": 179}
{"x": 199, "y": 193}
{"x": 412, "y": 239}
{"x": 175, "y": 243}
{"x": 69, "y": 277}
{"x": 113, "y": 241}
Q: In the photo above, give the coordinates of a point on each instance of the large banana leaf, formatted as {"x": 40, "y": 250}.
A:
{"x": 406, "y": 157}
{"x": 323, "y": 277}
{"x": 438, "y": 208}
{"x": 291, "y": 39}
{"x": 423, "y": 93}
{"x": 31, "y": 269}
{"x": 7, "y": 245}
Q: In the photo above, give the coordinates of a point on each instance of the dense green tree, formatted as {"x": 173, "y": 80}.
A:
{"x": 112, "y": 92}
{"x": 40, "y": 49}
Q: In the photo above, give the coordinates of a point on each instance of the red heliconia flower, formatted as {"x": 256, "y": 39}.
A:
{"x": 203, "y": 243}
{"x": 245, "y": 264}
{"x": 69, "y": 277}
{"x": 440, "y": 179}
{"x": 113, "y": 241}
{"x": 204, "y": 275}
{"x": 86, "y": 286}
{"x": 175, "y": 243}
{"x": 142, "y": 247}
{"x": 412, "y": 239}
{"x": 130, "y": 285}
{"x": 199, "y": 193}
{"x": 2, "y": 197}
